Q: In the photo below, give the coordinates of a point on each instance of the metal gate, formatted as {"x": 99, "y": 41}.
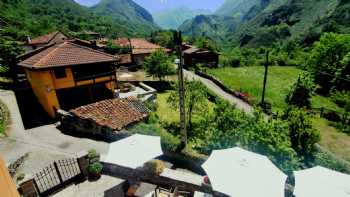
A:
{"x": 56, "y": 175}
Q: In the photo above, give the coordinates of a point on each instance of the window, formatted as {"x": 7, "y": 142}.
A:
{"x": 60, "y": 73}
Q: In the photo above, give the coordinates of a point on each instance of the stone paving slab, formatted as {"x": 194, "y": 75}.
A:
{"x": 182, "y": 176}
{"x": 106, "y": 186}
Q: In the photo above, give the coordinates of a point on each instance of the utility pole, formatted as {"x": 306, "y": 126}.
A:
{"x": 265, "y": 79}
{"x": 179, "y": 61}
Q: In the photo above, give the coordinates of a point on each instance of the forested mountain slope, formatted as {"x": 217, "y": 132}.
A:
{"x": 127, "y": 12}
{"x": 172, "y": 19}
{"x": 37, "y": 17}
{"x": 268, "y": 22}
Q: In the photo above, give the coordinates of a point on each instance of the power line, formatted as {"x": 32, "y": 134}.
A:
{"x": 347, "y": 80}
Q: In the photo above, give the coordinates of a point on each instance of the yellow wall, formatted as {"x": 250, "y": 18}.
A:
{"x": 45, "y": 84}
{"x": 44, "y": 89}
{"x": 67, "y": 82}
{"x": 7, "y": 187}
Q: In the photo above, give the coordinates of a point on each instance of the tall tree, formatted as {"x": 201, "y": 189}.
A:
{"x": 158, "y": 65}
{"x": 9, "y": 50}
{"x": 195, "y": 100}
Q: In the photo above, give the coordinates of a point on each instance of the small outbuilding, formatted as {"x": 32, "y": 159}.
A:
{"x": 105, "y": 119}
{"x": 193, "y": 56}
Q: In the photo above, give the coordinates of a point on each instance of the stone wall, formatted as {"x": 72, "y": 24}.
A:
{"x": 225, "y": 88}
{"x": 76, "y": 126}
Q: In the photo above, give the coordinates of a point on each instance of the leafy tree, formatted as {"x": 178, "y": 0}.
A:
{"x": 301, "y": 91}
{"x": 9, "y": 50}
{"x": 158, "y": 65}
{"x": 195, "y": 100}
{"x": 302, "y": 134}
{"x": 205, "y": 43}
{"x": 228, "y": 127}
{"x": 330, "y": 62}
{"x": 113, "y": 49}
{"x": 163, "y": 38}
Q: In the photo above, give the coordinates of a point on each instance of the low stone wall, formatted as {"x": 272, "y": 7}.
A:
{"x": 224, "y": 87}
{"x": 74, "y": 125}
{"x": 186, "y": 161}
{"x": 139, "y": 175}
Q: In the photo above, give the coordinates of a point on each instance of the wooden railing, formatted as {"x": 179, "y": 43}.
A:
{"x": 93, "y": 77}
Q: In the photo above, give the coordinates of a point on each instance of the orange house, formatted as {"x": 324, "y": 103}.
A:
{"x": 68, "y": 75}
{"x": 7, "y": 186}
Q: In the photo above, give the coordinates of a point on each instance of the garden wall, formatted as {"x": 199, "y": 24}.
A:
{"x": 237, "y": 94}
{"x": 76, "y": 126}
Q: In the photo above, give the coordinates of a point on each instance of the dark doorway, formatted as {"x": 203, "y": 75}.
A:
{"x": 33, "y": 114}
{"x": 75, "y": 97}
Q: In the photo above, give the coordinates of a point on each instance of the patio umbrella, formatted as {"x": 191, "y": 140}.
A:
{"x": 240, "y": 173}
{"x": 134, "y": 151}
{"x": 321, "y": 182}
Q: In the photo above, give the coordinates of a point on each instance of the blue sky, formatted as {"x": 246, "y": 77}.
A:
{"x": 158, "y": 5}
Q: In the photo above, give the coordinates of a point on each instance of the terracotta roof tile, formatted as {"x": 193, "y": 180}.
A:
{"x": 45, "y": 39}
{"x": 66, "y": 54}
{"x": 112, "y": 113}
{"x": 139, "y": 45}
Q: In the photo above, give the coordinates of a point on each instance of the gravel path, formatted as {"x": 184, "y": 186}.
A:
{"x": 221, "y": 93}
{"x": 44, "y": 144}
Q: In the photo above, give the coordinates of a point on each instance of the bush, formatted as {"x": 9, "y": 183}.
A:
{"x": 155, "y": 167}
{"x": 95, "y": 168}
{"x": 146, "y": 129}
{"x": 302, "y": 134}
{"x": 341, "y": 98}
{"x": 325, "y": 159}
{"x": 301, "y": 91}
{"x": 170, "y": 142}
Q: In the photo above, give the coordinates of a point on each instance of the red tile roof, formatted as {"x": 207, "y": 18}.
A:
{"x": 139, "y": 45}
{"x": 66, "y": 54}
{"x": 45, "y": 39}
{"x": 113, "y": 113}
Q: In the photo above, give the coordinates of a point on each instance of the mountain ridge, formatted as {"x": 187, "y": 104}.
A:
{"x": 173, "y": 18}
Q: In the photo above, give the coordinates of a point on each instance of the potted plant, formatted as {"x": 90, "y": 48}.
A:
{"x": 93, "y": 156}
{"x": 95, "y": 170}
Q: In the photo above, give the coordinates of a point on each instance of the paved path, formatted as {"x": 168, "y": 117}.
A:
{"x": 44, "y": 144}
{"x": 221, "y": 93}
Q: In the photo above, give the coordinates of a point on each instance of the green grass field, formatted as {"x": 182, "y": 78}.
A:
{"x": 167, "y": 114}
{"x": 250, "y": 80}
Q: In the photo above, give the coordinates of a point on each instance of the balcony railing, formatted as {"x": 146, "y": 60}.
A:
{"x": 99, "y": 75}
